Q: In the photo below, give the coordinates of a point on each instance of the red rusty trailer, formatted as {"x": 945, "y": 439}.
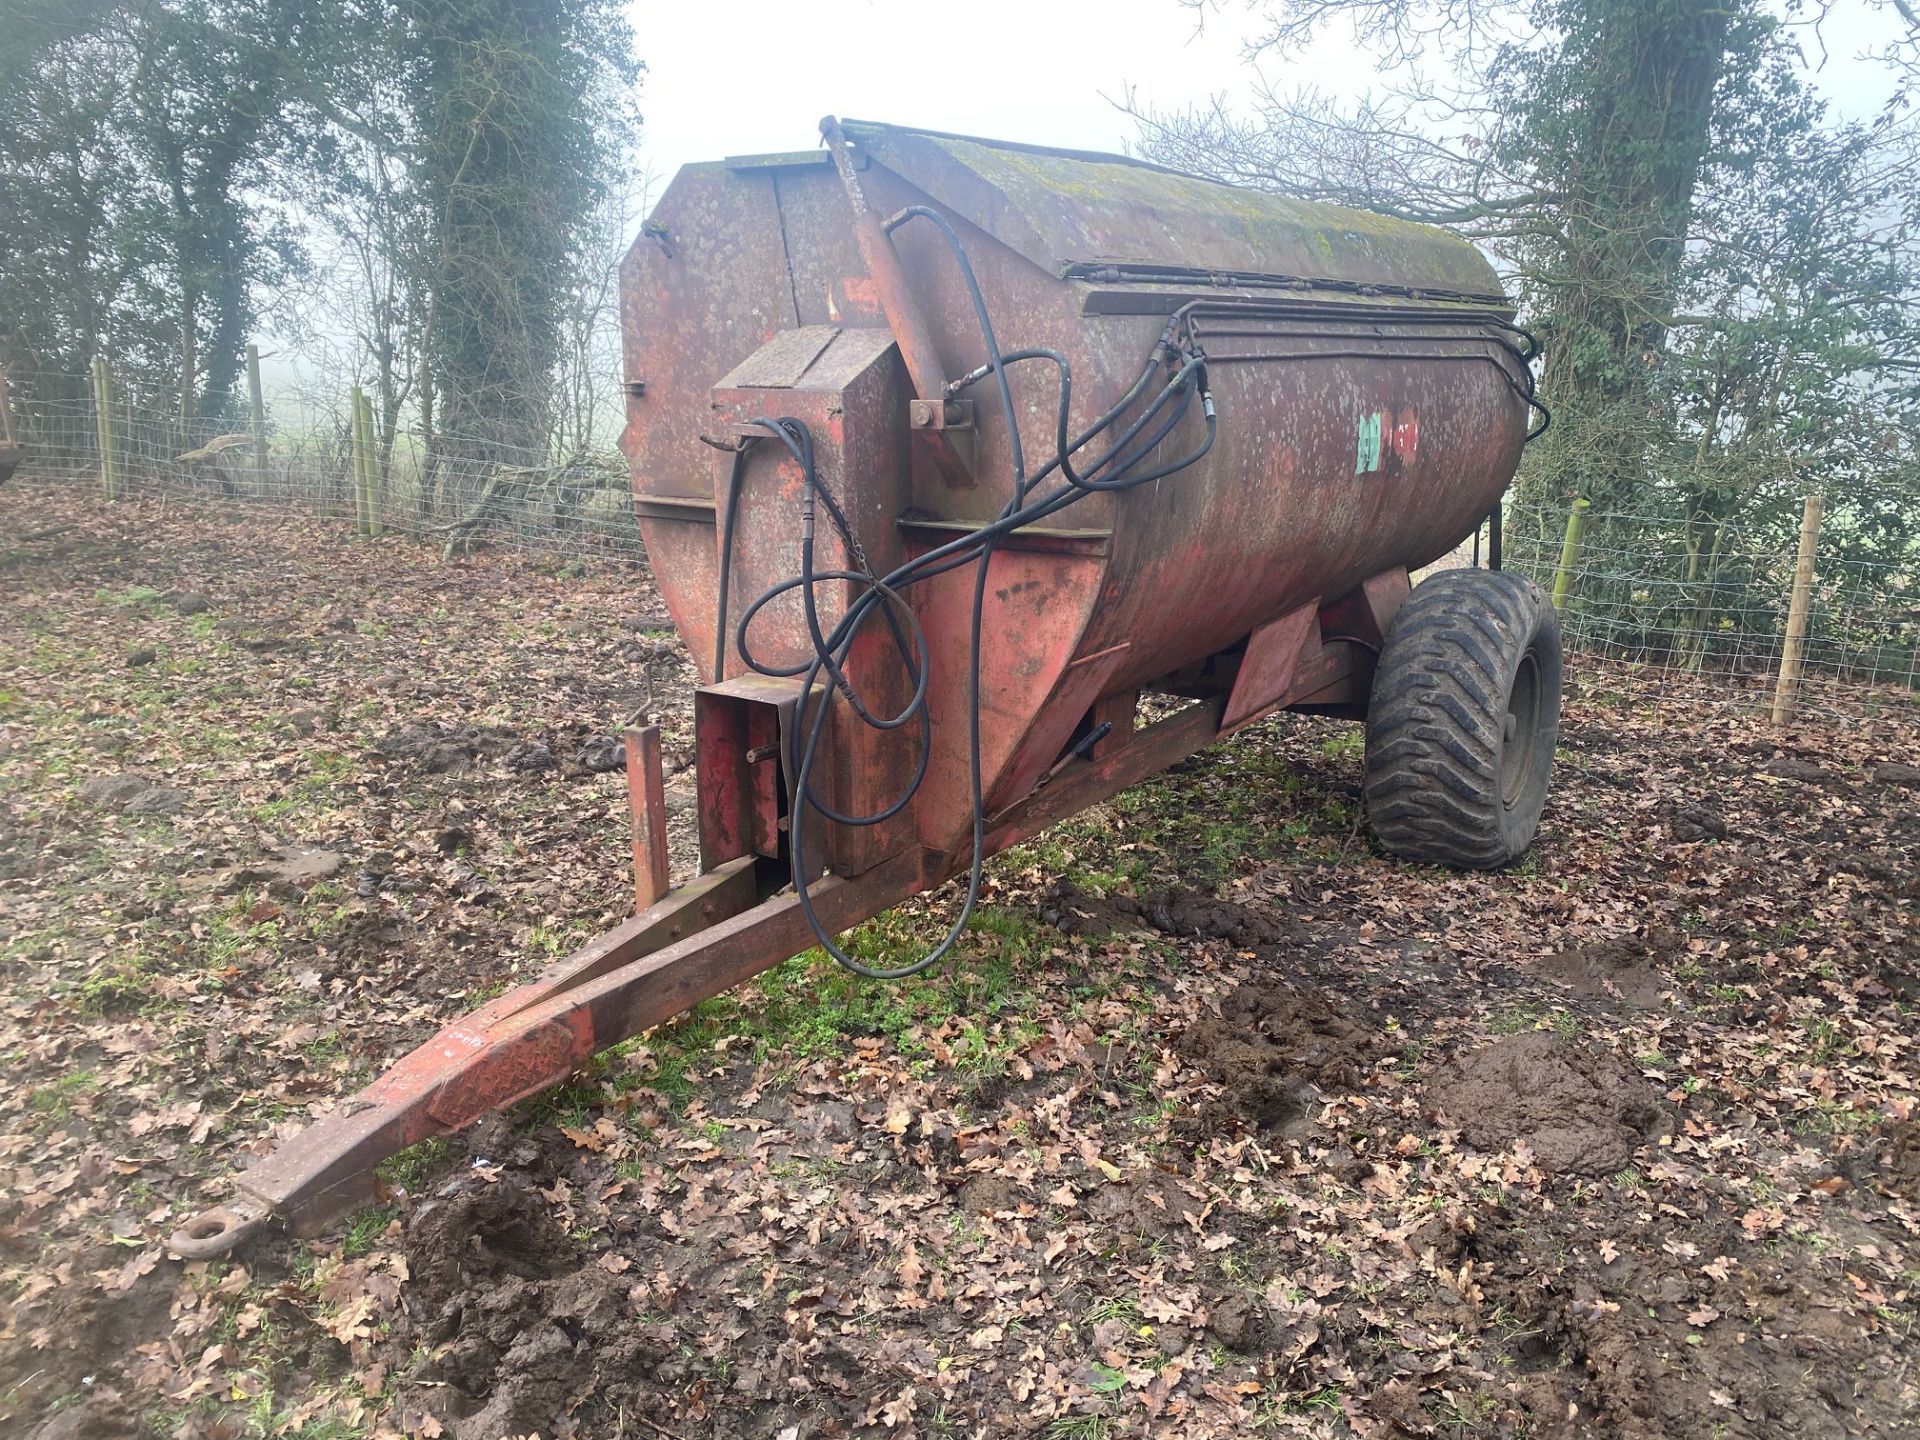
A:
{"x": 927, "y": 578}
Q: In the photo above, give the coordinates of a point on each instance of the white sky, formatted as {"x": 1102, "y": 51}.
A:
{"x": 736, "y": 77}
{"x": 744, "y": 76}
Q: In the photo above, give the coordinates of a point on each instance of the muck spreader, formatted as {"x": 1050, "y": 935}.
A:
{"x": 927, "y": 576}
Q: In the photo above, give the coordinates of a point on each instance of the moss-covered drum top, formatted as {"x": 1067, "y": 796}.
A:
{"x": 1062, "y": 209}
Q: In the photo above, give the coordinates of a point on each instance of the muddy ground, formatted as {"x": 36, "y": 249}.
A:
{"x": 1224, "y": 1123}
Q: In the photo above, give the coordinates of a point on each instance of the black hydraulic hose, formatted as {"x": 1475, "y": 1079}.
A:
{"x": 1061, "y": 449}
{"x": 1546, "y": 419}
{"x": 1128, "y": 478}
{"x": 1196, "y": 310}
{"x": 957, "y": 552}
{"x": 827, "y": 653}
{"x": 806, "y": 798}
{"x": 830, "y": 648}
{"x": 735, "y": 475}
{"x": 962, "y": 549}
{"x": 799, "y": 443}
{"x": 803, "y": 785}
{"x": 1176, "y": 386}
{"x": 1175, "y": 466}
{"x": 985, "y": 321}
{"x": 803, "y": 781}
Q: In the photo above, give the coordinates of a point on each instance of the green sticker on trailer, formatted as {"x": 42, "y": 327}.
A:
{"x": 1367, "y": 459}
{"x": 1378, "y": 434}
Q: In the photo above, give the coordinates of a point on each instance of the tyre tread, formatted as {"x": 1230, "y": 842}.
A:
{"x": 1436, "y": 719}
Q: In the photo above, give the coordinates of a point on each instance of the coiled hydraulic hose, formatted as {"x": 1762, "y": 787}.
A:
{"x": 830, "y": 649}
{"x": 1114, "y": 469}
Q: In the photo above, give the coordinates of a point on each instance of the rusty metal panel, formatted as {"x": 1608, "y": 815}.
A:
{"x": 738, "y": 726}
{"x": 646, "y": 798}
{"x": 1266, "y": 669}
{"x": 1079, "y": 690}
{"x": 680, "y": 547}
{"x": 719, "y": 752}
{"x": 1296, "y": 501}
{"x": 850, "y": 398}
{"x": 1336, "y": 680}
{"x": 841, "y": 365}
{"x": 702, "y": 288}
{"x": 1366, "y": 613}
{"x": 1037, "y": 606}
{"x": 825, "y": 274}
{"x": 782, "y": 361}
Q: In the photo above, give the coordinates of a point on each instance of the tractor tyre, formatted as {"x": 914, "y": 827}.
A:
{"x": 1462, "y": 720}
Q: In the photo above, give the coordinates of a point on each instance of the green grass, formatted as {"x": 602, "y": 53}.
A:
{"x": 215, "y": 943}
{"x": 1284, "y": 1407}
{"x": 131, "y": 597}
{"x": 226, "y": 937}
{"x": 52, "y": 1104}
{"x": 1533, "y": 1016}
{"x": 1835, "y": 1117}
{"x": 324, "y": 910}
{"x": 1349, "y": 744}
{"x": 574, "y": 1103}
{"x": 1238, "y": 807}
{"x": 1079, "y": 1427}
{"x": 327, "y": 775}
{"x": 415, "y": 1164}
{"x": 1827, "y": 1041}
{"x": 1114, "y": 1307}
{"x": 809, "y": 1008}
{"x": 365, "y": 1229}
{"x": 261, "y": 1418}
{"x": 1229, "y": 810}
{"x": 120, "y": 987}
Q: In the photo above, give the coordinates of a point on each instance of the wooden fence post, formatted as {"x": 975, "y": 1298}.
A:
{"x": 257, "y": 411}
{"x": 370, "y": 464}
{"x": 356, "y": 464}
{"x": 12, "y": 453}
{"x": 1793, "y": 652}
{"x": 99, "y": 425}
{"x": 103, "y": 421}
{"x": 1570, "y": 553}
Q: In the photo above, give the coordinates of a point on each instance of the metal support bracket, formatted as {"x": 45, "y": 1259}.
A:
{"x": 647, "y": 798}
{"x": 947, "y": 432}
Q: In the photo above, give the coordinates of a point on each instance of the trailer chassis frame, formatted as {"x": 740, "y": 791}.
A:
{"x": 736, "y": 920}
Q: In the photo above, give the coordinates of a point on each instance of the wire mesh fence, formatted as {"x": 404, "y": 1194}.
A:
{"x": 1707, "y": 605}
{"x": 450, "y": 489}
